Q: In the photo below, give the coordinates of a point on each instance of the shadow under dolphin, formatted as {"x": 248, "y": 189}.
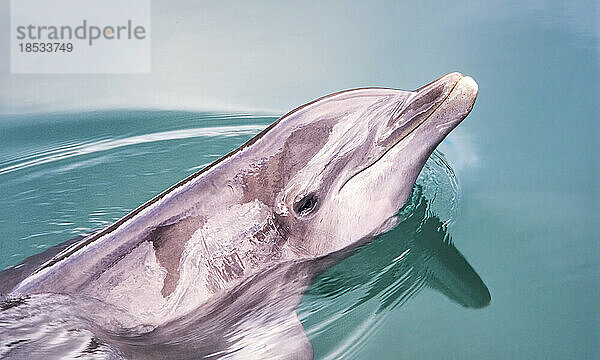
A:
{"x": 417, "y": 253}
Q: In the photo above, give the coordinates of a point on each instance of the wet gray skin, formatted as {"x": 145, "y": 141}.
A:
{"x": 322, "y": 178}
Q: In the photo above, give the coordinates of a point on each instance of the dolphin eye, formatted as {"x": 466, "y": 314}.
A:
{"x": 306, "y": 205}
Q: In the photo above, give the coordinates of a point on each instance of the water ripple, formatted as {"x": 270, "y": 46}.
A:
{"x": 84, "y": 148}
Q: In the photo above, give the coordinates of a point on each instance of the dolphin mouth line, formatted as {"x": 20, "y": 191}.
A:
{"x": 405, "y": 136}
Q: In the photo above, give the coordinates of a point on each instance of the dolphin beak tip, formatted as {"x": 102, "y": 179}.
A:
{"x": 467, "y": 83}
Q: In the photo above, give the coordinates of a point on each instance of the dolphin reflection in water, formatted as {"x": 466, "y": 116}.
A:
{"x": 216, "y": 266}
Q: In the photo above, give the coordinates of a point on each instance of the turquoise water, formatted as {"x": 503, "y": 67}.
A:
{"x": 523, "y": 212}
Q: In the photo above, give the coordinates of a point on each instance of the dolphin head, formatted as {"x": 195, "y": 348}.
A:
{"x": 346, "y": 163}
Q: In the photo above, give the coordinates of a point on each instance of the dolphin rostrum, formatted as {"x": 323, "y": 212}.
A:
{"x": 319, "y": 180}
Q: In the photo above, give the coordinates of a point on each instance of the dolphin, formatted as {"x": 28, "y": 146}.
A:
{"x": 323, "y": 178}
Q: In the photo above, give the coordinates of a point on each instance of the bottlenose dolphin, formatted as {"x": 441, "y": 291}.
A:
{"x": 323, "y": 178}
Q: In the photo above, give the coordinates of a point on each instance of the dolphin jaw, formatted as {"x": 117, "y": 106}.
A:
{"x": 387, "y": 180}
